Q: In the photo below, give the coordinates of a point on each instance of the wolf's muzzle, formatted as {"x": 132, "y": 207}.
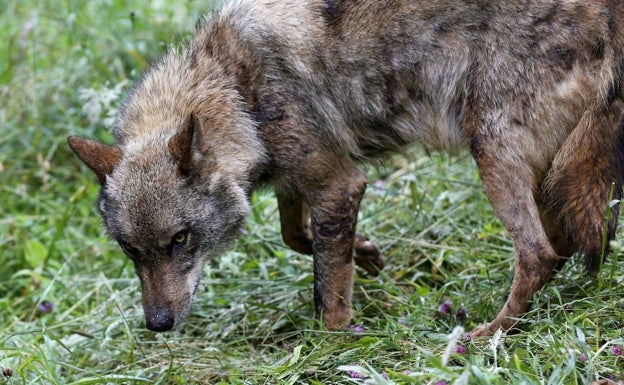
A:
{"x": 159, "y": 319}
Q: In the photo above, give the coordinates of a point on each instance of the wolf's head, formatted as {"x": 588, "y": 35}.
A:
{"x": 171, "y": 205}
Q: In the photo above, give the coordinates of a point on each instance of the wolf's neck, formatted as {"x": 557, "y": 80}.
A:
{"x": 191, "y": 80}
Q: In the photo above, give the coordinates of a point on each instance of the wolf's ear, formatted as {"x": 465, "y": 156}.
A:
{"x": 100, "y": 158}
{"x": 181, "y": 144}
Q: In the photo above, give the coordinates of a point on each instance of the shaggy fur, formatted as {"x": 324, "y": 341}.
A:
{"x": 296, "y": 94}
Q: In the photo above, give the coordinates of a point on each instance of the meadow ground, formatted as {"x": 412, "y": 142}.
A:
{"x": 70, "y": 303}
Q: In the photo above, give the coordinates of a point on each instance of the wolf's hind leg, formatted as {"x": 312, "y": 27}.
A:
{"x": 296, "y": 233}
{"x": 509, "y": 185}
{"x": 561, "y": 242}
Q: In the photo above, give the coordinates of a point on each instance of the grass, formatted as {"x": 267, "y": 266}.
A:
{"x": 70, "y": 303}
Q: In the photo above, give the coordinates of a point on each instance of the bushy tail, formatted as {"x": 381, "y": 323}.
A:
{"x": 586, "y": 175}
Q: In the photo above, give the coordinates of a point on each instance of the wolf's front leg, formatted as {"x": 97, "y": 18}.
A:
{"x": 297, "y": 234}
{"x": 334, "y": 205}
{"x": 510, "y": 183}
{"x": 295, "y": 221}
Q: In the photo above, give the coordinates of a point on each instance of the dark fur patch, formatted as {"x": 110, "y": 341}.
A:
{"x": 563, "y": 57}
{"x": 615, "y": 88}
{"x": 476, "y": 146}
{"x": 549, "y": 17}
{"x": 598, "y": 50}
{"x": 267, "y": 112}
{"x": 332, "y": 13}
{"x": 330, "y": 229}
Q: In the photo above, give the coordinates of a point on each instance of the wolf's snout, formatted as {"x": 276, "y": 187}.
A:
{"x": 159, "y": 320}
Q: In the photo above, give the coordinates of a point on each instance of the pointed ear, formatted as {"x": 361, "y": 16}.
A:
{"x": 181, "y": 144}
{"x": 100, "y": 158}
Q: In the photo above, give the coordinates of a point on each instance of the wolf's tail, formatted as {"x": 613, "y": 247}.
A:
{"x": 587, "y": 176}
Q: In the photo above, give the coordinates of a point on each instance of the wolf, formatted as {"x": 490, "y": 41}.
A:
{"x": 298, "y": 95}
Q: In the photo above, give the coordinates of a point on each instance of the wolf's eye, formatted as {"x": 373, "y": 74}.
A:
{"x": 180, "y": 238}
{"x": 178, "y": 241}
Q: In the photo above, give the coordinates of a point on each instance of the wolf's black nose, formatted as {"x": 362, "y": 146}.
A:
{"x": 159, "y": 320}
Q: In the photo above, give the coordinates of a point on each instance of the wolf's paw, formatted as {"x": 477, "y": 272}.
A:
{"x": 338, "y": 318}
{"x": 502, "y": 322}
{"x": 484, "y": 330}
{"x": 367, "y": 255}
